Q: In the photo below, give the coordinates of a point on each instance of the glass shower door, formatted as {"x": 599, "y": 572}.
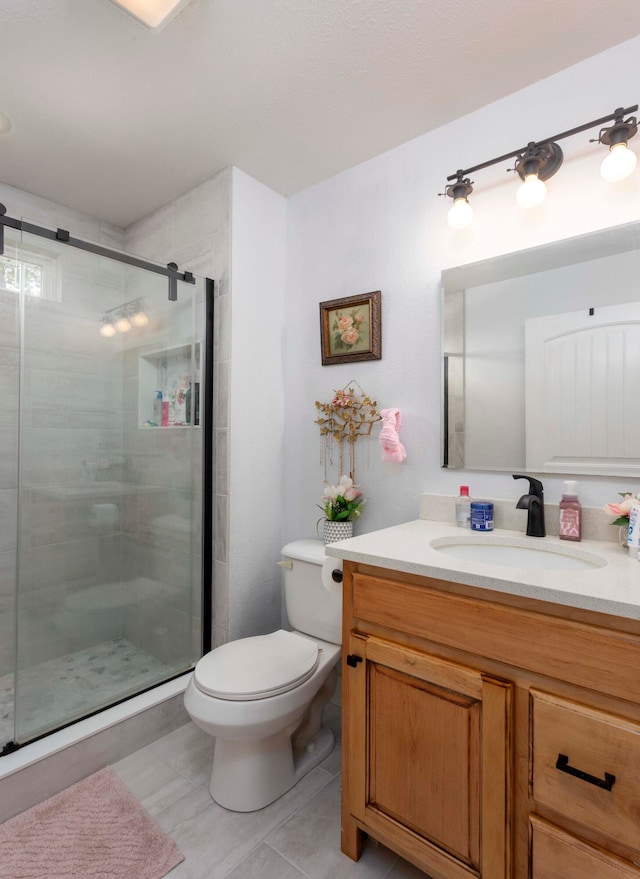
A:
{"x": 9, "y": 388}
{"x": 109, "y": 505}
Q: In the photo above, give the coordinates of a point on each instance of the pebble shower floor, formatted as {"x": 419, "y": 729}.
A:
{"x": 78, "y": 674}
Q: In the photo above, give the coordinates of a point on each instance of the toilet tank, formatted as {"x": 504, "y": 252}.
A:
{"x": 311, "y": 608}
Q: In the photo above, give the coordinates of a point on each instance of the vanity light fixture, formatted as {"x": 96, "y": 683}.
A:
{"x": 123, "y": 324}
{"x": 107, "y": 329}
{"x": 540, "y": 160}
{"x": 536, "y": 164}
{"x": 154, "y": 14}
{"x": 461, "y": 213}
{"x": 139, "y": 319}
{"x": 621, "y": 161}
{"x": 123, "y": 317}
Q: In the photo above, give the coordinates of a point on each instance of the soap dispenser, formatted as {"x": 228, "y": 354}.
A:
{"x": 570, "y": 524}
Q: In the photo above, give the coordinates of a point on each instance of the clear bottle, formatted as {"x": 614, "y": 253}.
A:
{"x": 463, "y": 508}
{"x": 570, "y": 523}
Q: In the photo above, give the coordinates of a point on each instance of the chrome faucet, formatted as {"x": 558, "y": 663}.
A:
{"x": 534, "y": 504}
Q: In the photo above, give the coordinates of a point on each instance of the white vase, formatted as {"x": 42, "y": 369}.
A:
{"x": 334, "y": 531}
{"x": 623, "y": 533}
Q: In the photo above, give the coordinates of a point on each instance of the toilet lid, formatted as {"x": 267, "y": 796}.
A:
{"x": 258, "y": 667}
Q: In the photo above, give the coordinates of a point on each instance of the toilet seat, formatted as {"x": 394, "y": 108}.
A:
{"x": 257, "y": 667}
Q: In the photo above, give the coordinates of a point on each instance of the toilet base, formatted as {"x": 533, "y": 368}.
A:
{"x": 247, "y": 776}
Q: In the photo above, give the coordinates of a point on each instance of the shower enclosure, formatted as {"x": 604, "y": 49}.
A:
{"x": 104, "y": 500}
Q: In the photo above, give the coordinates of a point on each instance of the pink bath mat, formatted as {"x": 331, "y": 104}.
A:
{"x": 92, "y": 830}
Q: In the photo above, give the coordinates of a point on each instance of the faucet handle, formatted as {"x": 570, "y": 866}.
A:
{"x": 535, "y": 486}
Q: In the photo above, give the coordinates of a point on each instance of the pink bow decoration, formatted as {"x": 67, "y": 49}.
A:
{"x": 392, "y": 448}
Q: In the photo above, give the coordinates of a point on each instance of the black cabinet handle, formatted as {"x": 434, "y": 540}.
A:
{"x": 336, "y": 575}
{"x": 562, "y": 763}
{"x": 353, "y": 660}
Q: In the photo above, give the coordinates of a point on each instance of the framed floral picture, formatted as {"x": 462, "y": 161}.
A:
{"x": 350, "y": 329}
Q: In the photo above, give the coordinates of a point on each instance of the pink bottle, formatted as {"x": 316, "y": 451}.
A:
{"x": 570, "y": 525}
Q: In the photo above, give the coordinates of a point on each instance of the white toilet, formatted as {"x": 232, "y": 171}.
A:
{"x": 262, "y": 697}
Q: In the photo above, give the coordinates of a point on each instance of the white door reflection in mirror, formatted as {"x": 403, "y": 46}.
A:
{"x": 581, "y": 373}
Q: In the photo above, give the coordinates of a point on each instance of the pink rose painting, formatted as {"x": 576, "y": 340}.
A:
{"x": 350, "y": 328}
{"x": 350, "y": 337}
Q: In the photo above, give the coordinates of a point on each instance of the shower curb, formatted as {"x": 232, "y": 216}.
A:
{"x": 43, "y": 768}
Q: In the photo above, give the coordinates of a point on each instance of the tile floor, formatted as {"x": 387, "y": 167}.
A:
{"x": 297, "y": 837}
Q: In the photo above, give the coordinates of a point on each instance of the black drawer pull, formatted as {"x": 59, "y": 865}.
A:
{"x": 353, "y": 660}
{"x": 562, "y": 763}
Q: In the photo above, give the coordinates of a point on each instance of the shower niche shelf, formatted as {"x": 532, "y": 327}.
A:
{"x": 169, "y": 370}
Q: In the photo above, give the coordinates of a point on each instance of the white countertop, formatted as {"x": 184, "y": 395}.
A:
{"x": 613, "y": 588}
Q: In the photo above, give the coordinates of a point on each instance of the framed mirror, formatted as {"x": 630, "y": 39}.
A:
{"x": 541, "y": 358}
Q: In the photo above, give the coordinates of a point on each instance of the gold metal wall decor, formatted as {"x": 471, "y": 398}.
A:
{"x": 350, "y": 414}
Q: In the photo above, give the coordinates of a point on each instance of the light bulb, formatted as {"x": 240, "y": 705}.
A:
{"x": 461, "y": 214}
{"x": 107, "y": 330}
{"x": 123, "y": 325}
{"x": 531, "y": 192}
{"x": 139, "y": 319}
{"x": 618, "y": 164}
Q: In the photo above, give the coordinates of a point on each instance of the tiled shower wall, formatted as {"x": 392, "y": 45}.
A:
{"x": 72, "y": 418}
{"x": 46, "y": 557}
{"x": 194, "y": 231}
{"x": 161, "y": 518}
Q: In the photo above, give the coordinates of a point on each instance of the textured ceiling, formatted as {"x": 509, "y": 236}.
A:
{"x": 114, "y": 120}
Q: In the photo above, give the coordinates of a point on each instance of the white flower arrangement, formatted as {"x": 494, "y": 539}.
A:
{"x": 342, "y": 502}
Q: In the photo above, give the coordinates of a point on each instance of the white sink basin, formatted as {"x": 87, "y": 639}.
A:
{"x": 511, "y": 553}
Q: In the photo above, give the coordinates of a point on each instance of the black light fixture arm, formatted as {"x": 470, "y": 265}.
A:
{"x": 612, "y": 117}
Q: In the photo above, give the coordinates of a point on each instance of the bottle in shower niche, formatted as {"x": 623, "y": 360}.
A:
{"x": 570, "y": 525}
{"x": 157, "y": 408}
{"x": 181, "y": 401}
{"x": 196, "y": 398}
{"x": 463, "y": 508}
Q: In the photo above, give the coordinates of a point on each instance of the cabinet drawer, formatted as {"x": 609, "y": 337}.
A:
{"x": 559, "y": 648}
{"x": 559, "y": 855}
{"x": 586, "y": 766}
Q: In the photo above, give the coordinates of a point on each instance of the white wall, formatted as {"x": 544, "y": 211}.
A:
{"x": 381, "y": 226}
{"x": 257, "y": 460}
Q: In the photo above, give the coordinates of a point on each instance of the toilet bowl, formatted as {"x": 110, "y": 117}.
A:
{"x": 262, "y": 697}
{"x": 98, "y": 611}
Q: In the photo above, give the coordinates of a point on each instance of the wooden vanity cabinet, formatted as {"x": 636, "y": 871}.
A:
{"x": 429, "y": 744}
{"x": 481, "y": 731}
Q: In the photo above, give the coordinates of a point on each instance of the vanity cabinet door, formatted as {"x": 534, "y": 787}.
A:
{"x": 429, "y": 765}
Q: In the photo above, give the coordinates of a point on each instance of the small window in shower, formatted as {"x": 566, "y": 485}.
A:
{"x": 37, "y": 273}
